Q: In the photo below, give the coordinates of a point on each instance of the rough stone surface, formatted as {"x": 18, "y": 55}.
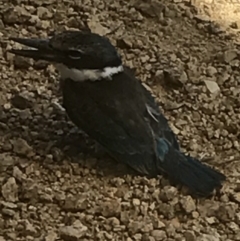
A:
{"x": 56, "y": 186}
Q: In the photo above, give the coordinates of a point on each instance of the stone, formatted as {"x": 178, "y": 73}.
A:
{"x": 110, "y": 208}
{"x": 230, "y": 55}
{"x": 211, "y": 71}
{"x": 212, "y": 86}
{"x": 74, "y": 232}
{"x": 43, "y": 13}
{"x": 51, "y": 236}
{"x": 10, "y": 190}
{"x": 183, "y": 77}
{"x": 136, "y": 202}
{"x": 158, "y": 235}
{"x": 188, "y": 204}
{"x": 6, "y": 160}
{"x": 189, "y": 236}
{"x": 21, "y": 147}
{"x": 236, "y": 197}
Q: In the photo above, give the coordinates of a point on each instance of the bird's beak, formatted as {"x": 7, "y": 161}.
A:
{"x": 40, "y": 49}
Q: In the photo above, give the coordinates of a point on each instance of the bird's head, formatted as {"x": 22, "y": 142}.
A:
{"x": 78, "y": 55}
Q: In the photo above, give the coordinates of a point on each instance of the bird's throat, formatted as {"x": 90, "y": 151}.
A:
{"x": 81, "y": 75}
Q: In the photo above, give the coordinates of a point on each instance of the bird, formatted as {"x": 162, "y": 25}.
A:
{"x": 103, "y": 98}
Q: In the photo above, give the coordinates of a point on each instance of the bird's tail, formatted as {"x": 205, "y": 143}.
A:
{"x": 198, "y": 177}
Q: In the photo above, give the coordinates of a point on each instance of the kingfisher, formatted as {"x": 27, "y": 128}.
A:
{"x": 104, "y": 99}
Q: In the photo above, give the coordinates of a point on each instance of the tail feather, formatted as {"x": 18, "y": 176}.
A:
{"x": 198, "y": 177}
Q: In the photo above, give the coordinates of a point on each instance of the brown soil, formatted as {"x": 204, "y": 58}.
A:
{"x": 56, "y": 186}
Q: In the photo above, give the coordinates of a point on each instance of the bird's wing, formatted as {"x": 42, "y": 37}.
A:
{"x": 114, "y": 114}
{"x": 159, "y": 123}
{"x": 157, "y": 120}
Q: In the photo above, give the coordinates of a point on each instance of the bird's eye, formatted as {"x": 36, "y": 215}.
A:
{"x": 74, "y": 54}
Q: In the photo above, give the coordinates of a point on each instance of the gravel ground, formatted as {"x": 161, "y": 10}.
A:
{"x": 56, "y": 185}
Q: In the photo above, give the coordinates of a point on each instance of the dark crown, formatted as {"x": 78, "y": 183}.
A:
{"x": 84, "y": 50}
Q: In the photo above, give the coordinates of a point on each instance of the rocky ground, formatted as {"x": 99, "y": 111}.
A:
{"x": 55, "y": 186}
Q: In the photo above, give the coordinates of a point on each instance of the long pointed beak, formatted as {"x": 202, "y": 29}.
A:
{"x": 40, "y": 49}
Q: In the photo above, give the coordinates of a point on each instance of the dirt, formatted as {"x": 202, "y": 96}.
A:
{"x": 57, "y": 185}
